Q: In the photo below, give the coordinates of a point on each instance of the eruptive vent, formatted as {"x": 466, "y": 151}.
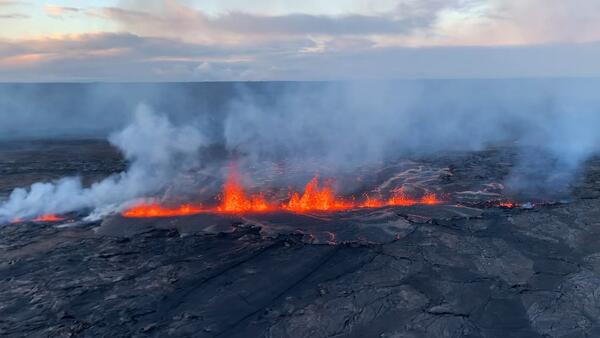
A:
{"x": 315, "y": 197}
{"x": 234, "y": 197}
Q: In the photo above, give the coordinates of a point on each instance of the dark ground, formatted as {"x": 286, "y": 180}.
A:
{"x": 463, "y": 269}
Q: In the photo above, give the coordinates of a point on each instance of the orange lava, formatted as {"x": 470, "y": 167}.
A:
{"x": 508, "y": 205}
{"x": 235, "y": 199}
{"x": 48, "y": 218}
{"x": 429, "y": 199}
{"x": 399, "y": 199}
{"x": 370, "y": 202}
{"x": 144, "y": 210}
{"x": 316, "y": 198}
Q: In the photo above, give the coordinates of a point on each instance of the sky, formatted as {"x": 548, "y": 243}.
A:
{"x": 222, "y": 40}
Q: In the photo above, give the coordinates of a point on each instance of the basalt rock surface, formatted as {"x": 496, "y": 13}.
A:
{"x": 454, "y": 270}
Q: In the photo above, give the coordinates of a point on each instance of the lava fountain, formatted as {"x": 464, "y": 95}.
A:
{"x": 314, "y": 197}
{"x": 234, "y": 197}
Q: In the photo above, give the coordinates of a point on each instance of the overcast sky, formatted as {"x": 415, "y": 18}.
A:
{"x": 205, "y": 40}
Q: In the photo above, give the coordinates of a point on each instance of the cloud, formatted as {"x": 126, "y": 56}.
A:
{"x": 129, "y": 57}
{"x": 14, "y": 16}
{"x": 554, "y": 20}
{"x": 503, "y": 22}
{"x": 171, "y": 40}
{"x": 162, "y": 17}
{"x": 59, "y": 11}
{"x": 6, "y": 3}
{"x": 139, "y": 47}
{"x": 112, "y": 56}
{"x": 300, "y": 24}
{"x": 410, "y": 23}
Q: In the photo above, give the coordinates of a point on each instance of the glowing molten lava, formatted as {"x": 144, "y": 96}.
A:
{"x": 371, "y": 202}
{"x": 429, "y": 199}
{"x": 399, "y": 199}
{"x": 48, "y": 218}
{"x": 42, "y": 218}
{"x": 235, "y": 199}
{"x": 316, "y": 198}
{"x": 155, "y": 210}
{"x": 508, "y": 205}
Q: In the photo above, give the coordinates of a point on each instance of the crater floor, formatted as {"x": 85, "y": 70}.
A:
{"x": 463, "y": 269}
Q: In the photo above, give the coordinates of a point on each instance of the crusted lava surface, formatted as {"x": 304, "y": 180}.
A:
{"x": 470, "y": 266}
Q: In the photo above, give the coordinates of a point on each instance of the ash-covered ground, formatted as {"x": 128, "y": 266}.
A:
{"x": 468, "y": 267}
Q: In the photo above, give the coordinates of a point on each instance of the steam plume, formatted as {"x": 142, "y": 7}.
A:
{"x": 318, "y": 127}
{"x": 156, "y": 151}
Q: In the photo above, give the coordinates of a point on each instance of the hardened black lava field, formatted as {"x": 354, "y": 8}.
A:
{"x": 484, "y": 263}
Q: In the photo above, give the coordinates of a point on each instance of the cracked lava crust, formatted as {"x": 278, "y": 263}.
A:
{"x": 479, "y": 263}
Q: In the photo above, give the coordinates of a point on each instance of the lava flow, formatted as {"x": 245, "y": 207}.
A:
{"x": 42, "y": 218}
{"x": 144, "y": 210}
{"x": 48, "y": 218}
{"x": 399, "y": 199}
{"x": 507, "y": 205}
{"x": 234, "y": 199}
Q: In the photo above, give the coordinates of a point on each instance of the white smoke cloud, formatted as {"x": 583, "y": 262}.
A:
{"x": 156, "y": 150}
{"x": 344, "y": 126}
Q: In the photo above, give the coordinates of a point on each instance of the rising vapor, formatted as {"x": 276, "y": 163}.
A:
{"x": 329, "y": 128}
{"x": 156, "y": 151}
